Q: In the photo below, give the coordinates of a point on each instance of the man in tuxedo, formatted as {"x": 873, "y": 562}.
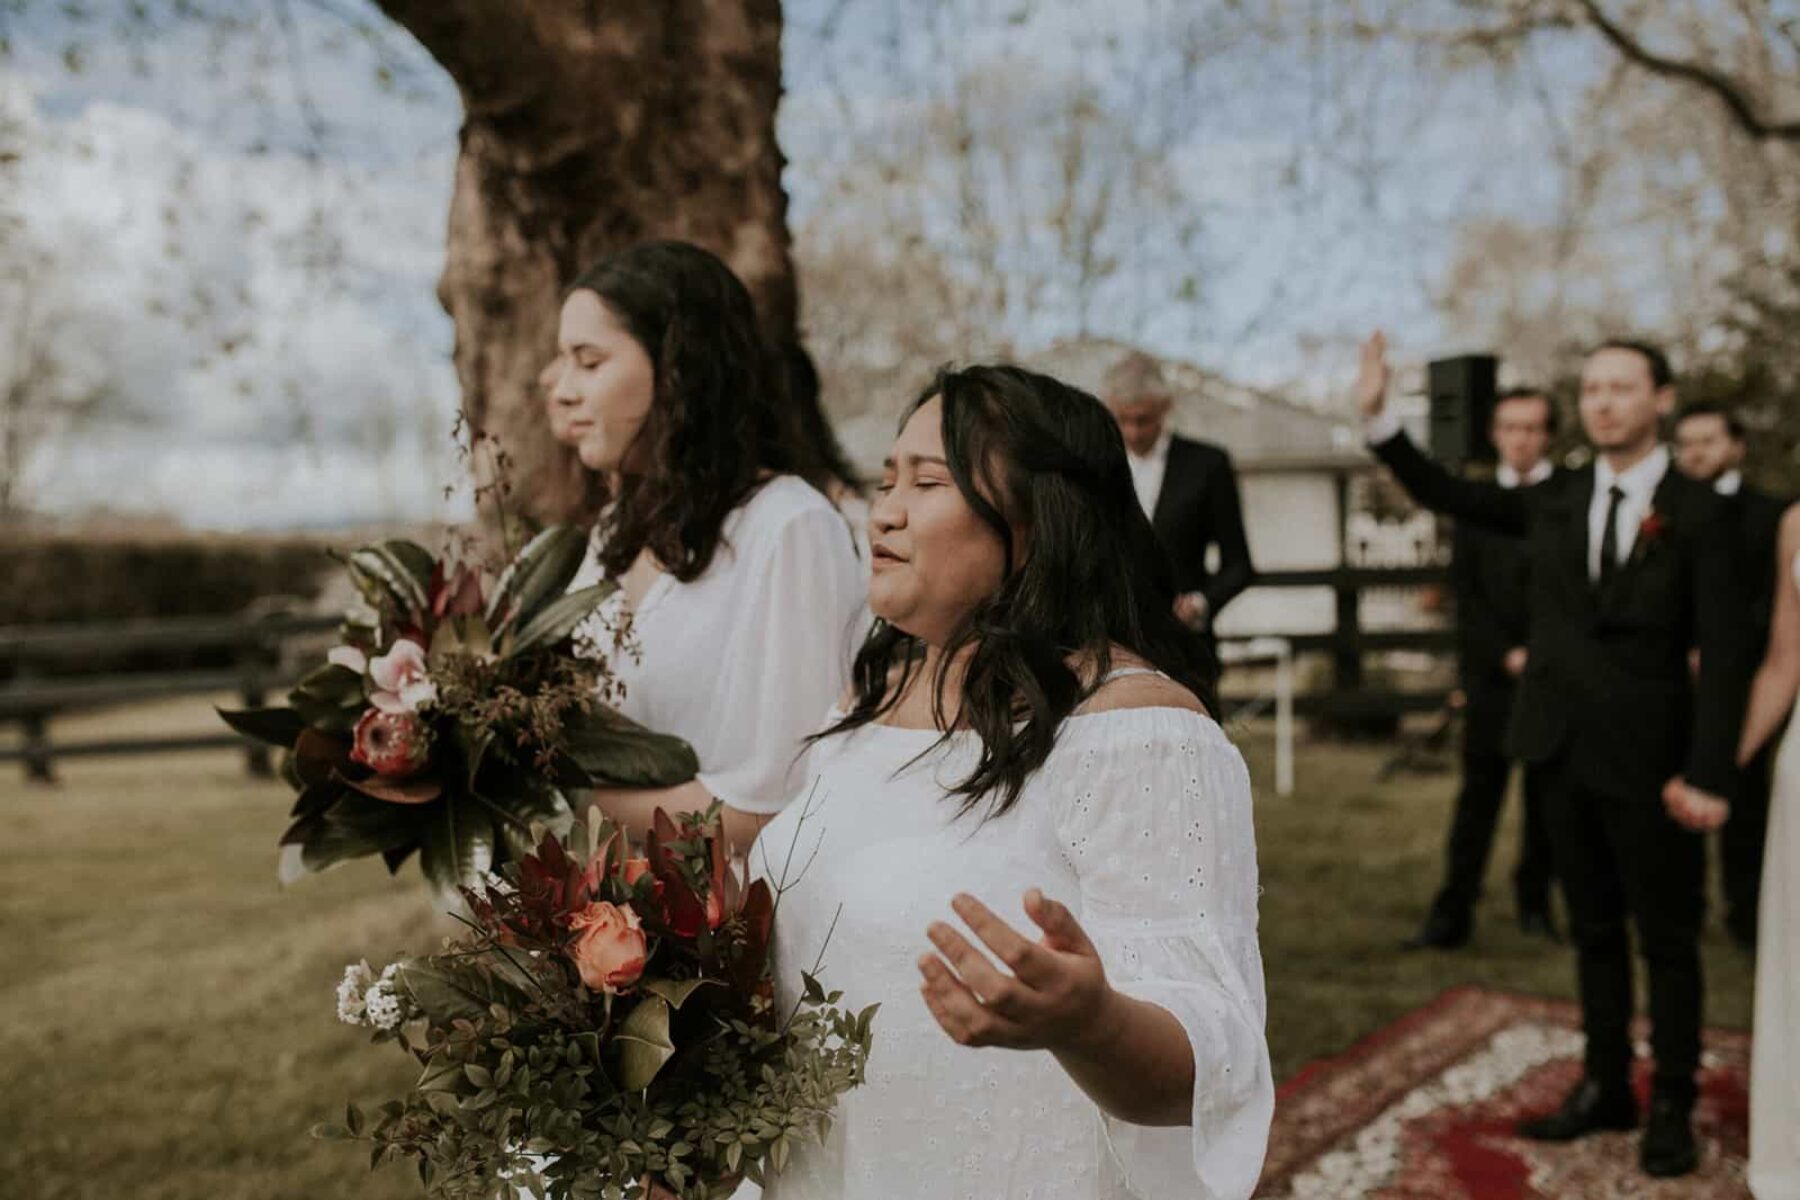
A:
{"x": 1709, "y": 447}
{"x": 1492, "y": 574}
{"x": 1187, "y": 488}
{"x": 1632, "y": 570}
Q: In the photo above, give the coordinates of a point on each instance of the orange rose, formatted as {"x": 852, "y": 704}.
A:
{"x": 609, "y": 947}
{"x": 635, "y": 869}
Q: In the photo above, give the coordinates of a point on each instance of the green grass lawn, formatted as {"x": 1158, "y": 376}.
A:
{"x": 166, "y": 1015}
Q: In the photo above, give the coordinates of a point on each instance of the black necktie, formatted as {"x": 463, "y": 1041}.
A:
{"x": 1609, "y": 538}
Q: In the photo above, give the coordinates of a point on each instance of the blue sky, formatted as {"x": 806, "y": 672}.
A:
{"x": 304, "y": 204}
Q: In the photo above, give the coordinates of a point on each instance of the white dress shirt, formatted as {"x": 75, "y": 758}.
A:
{"x": 1639, "y": 484}
{"x": 1147, "y": 472}
{"x": 1730, "y": 483}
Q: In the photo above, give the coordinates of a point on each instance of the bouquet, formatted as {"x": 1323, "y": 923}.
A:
{"x": 455, "y": 716}
{"x": 608, "y": 1022}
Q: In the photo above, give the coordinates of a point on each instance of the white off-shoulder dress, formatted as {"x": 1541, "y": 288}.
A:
{"x": 1140, "y": 821}
{"x": 744, "y": 661}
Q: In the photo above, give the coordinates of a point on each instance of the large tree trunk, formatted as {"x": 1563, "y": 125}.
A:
{"x": 589, "y": 125}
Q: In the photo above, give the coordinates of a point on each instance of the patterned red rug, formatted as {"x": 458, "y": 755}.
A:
{"x": 1424, "y": 1110}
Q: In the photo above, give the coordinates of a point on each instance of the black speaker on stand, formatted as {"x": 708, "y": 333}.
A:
{"x": 1462, "y": 392}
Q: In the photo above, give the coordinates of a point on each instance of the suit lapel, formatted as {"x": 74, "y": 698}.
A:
{"x": 1578, "y": 538}
{"x": 1173, "y": 471}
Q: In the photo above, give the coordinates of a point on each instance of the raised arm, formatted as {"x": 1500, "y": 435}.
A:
{"x": 1489, "y": 505}
{"x": 1772, "y": 694}
{"x": 1236, "y": 572}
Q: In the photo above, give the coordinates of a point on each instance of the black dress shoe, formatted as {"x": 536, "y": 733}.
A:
{"x": 1538, "y": 923}
{"x": 1439, "y": 932}
{"x": 1590, "y": 1108}
{"x": 1668, "y": 1148}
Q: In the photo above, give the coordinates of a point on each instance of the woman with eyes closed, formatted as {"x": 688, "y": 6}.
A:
{"x": 741, "y": 579}
{"x": 1032, "y": 838}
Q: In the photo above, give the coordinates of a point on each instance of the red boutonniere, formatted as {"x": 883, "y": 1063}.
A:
{"x": 1651, "y": 530}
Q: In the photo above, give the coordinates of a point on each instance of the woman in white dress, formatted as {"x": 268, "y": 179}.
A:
{"x": 741, "y": 578}
{"x": 1775, "y": 1053}
{"x": 1027, "y": 838}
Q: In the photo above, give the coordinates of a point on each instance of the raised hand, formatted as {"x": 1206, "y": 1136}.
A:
{"x": 1049, "y": 996}
{"x": 1372, "y": 376}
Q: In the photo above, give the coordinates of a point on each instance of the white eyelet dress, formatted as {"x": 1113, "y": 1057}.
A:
{"x": 1140, "y": 821}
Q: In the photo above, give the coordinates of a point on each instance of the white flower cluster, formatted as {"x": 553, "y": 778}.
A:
{"x": 364, "y": 999}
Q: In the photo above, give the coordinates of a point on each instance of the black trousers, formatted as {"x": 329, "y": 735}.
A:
{"x": 1485, "y": 773}
{"x": 1626, "y": 867}
{"x": 1741, "y": 846}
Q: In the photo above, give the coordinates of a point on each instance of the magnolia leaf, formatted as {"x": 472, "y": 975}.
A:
{"x": 558, "y": 619}
{"x": 415, "y": 558}
{"x": 276, "y": 726}
{"x": 418, "y": 790}
{"x": 612, "y": 749}
{"x": 333, "y": 683}
{"x": 541, "y": 572}
{"x": 675, "y": 993}
{"x": 644, "y": 1044}
{"x": 385, "y": 577}
{"x": 475, "y": 742}
{"x": 458, "y": 847}
{"x": 319, "y": 756}
{"x": 356, "y": 827}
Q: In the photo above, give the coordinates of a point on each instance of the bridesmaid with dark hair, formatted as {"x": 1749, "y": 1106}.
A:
{"x": 740, "y": 577}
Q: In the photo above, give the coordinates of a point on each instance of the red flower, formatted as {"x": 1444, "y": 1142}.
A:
{"x": 391, "y": 744}
{"x": 1652, "y": 528}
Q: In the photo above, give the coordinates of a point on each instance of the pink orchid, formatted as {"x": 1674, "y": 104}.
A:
{"x": 401, "y": 684}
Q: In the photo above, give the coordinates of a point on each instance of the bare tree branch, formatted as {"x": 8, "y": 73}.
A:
{"x": 1731, "y": 92}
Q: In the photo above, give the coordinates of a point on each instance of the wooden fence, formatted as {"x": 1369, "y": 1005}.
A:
{"x": 47, "y": 673}
{"x": 45, "y": 668}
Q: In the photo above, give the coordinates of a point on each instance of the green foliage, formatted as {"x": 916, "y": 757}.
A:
{"x": 96, "y": 579}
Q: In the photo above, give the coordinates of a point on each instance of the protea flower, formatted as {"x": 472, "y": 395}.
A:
{"x": 394, "y": 744}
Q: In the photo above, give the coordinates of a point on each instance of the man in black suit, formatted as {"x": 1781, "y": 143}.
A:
{"x": 1709, "y": 447}
{"x": 1187, "y": 488}
{"x": 1492, "y": 576}
{"x": 1632, "y": 569}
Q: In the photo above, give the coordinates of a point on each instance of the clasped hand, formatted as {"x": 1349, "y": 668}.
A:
{"x": 1693, "y": 808}
{"x": 1052, "y": 994}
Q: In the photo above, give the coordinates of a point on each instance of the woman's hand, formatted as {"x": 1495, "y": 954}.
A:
{"x": 1694, "y": 809}
{"x": 1053, "y": 998}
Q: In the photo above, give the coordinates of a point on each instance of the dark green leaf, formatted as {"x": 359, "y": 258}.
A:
{"x": 356, "y": 827}
{"x": 539, "y": 574}
{"x": 332, "y": 683}
{"x": 675, "y": 993}
{"x": 612, "y": 749}
{"x": 644, "y": 1044}
{"x": 276, "y": 726}
{"x": 446, "y": 991}
{"x": 558, "y": 619}
{"x": 458, "y": 846}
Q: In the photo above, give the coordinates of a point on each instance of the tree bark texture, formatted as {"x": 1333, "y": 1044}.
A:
{"x": 590, "y": 125}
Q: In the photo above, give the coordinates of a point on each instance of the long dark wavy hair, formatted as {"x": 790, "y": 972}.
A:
{"x": 719, "y": 417}
{"x": 1032, "y": 453}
